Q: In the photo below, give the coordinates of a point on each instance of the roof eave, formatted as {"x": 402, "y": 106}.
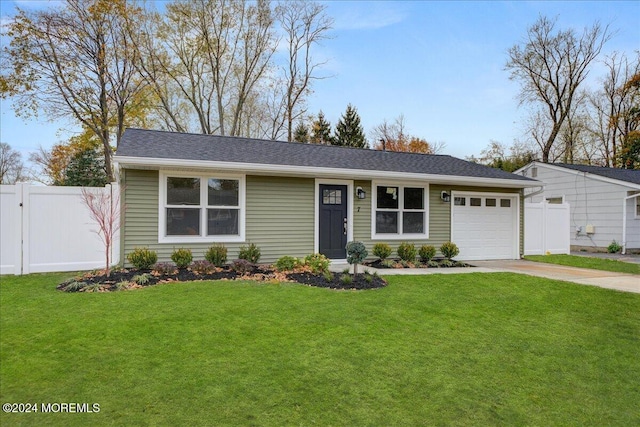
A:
{"x": 590, "y": 175}
{"x": 315, "y": 172}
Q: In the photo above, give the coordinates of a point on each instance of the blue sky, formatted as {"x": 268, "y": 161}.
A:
{"x": 439, "y": 63}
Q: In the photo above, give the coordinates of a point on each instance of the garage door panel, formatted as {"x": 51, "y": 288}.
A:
{"x": 485, "y": 230}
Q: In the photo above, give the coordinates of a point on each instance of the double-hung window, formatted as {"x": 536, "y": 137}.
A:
{"x": 400, "y": 211}
{"x": 201, "y": 208}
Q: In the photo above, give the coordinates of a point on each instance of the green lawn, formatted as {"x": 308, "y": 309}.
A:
{"x": 587, "y": 262}
{"x": 469, "y": 349}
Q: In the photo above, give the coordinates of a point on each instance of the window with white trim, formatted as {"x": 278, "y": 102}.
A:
{"x": 400, "y": 211}
{"x": 201, "y": 208}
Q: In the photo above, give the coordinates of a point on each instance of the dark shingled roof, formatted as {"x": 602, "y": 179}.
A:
{"x": 184, "y": 146}
{"x": 627, "y": 175}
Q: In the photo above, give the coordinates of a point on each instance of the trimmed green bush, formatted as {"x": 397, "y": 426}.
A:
{"x": 142, "y": 258}
{"x": 182, "y": 257}
{"x": 216, "y": 255}
{"x": 382, "y": 251}
{"x": 614, "y": 247}
{"x": 250, "y": 253}
{"x": 426, "y": 253}
{"x": 449, "y": 250}
{"x": 287, "y": 263}
{"x": 407, "y": 252}
{"x": 318, "y": 263}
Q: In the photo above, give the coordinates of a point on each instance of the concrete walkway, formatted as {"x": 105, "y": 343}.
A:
{"x": 604, "y": 279}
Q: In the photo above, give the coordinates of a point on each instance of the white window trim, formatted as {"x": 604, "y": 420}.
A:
{"x": 636, "y": 206}
{"x": 401, "y": 186}
{"x": 350, "y": 190}
{"x": 162, "y": 219}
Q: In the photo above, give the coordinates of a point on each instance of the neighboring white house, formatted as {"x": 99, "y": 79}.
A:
{"x": 605, "y": 202}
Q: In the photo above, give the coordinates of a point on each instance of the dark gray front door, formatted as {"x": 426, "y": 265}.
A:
{"x": 333, "y": 221}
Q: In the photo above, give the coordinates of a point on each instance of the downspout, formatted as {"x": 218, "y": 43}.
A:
{"x": 624, "y": 221}
{"x": 535, "y": 193}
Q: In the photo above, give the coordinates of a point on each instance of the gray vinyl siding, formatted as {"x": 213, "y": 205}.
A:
{"x": 279, "y": 217}
{"x": 592, "y": 202}
{"x": 439, "y": 217}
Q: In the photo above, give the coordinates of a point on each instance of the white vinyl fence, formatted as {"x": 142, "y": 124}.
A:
{"x": 546, "y": 228}
{"x": 47, "y": 229}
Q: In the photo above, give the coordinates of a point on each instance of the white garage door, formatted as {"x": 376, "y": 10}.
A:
{"x": 485, "y": 226}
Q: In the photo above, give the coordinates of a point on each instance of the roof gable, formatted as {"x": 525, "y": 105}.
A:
{"x": 150, "y": 144}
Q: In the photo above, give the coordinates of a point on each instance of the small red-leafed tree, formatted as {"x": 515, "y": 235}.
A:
{"x": 104, "y": 209}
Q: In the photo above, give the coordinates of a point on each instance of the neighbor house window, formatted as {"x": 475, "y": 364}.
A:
{"x": 201, "y": 208}
{"x": 637, "y": 207}
{"x": 400, "y": 212}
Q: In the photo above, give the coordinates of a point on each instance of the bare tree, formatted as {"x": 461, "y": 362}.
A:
{"x": 105, "y": 210}
{"x": 75, "y": 63}
{"x": 11, "y": 166}
{"x": 204, "y": 60}
{"x": 551, "y": 65}
{"x": 393, "y": 136}
{"x": 305, "y": 24}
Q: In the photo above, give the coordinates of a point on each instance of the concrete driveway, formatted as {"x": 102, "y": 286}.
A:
{"x": 604, "y": 279}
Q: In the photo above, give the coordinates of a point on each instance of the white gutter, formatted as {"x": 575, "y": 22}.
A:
{"x": 624, "y": 221}
{"x": 313, "y": 171}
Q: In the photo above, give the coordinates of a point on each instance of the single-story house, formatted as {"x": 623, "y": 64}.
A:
{"x": 190, "y": 191}
{"x": 605, "y": 202}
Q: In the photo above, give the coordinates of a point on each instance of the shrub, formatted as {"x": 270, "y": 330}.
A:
{"x": 318, "y": 263}
{"x": 216, "y": 255}
{"x": 203, "y": 267}
{"x": 426, "y": 253}
{"x": 242, "y": 266}
{"x": 328, "y": 276}
{"x": 614, "y": 247}
{"x": 164, "y": 268}
{"x": 182, "y": 257}
{"x": 382, "y": 251}
{"x": 449, "y": 250}
{"x": 356, "y": 254}
{"x": 346, "y": 279}
{"x": 122, "y": 285}
{"x": 93, "y": 287}
{"x": 407, "y": 252}
{"x": 368, "y": 278}
{"x": 389, "y": 263}
{"x": 433, "y": 264}
{"x": 74, "y": 286}
{"x": 142, "y": 258}
{"x": 141, "y": 279}
{"x": 287, "y": 263}
{"x": 250, "y": 253}
{"x": 446, "y": 263}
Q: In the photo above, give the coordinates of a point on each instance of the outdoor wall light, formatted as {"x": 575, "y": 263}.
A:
{"x": 361, "y": 193}
{"x": 446, "y": 197}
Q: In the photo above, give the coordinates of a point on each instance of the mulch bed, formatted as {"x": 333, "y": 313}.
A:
{"x": 126, "y": 279}
{"x": 436, "y": 263}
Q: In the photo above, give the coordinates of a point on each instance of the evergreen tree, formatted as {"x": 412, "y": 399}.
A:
{"x": 86, "y": 169}
{"x": 349, "y": 131}
{"x": 301, "y": 133}
{"x": 321, "y": 131}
